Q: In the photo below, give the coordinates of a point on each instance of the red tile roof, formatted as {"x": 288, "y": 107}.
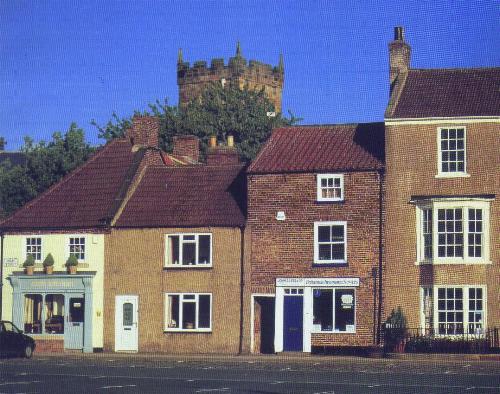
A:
{"x": 449, "y": 93}
{"x": 84, "y": 198}
{"x": 349, "y": 147}
{"x": 188, "y": 196}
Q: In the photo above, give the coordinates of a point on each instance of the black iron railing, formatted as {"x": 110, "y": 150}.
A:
{"x": 418, "y": 340}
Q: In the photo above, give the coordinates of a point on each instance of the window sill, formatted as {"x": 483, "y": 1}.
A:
{"x": 333, "y": 332}
{"x": 183, "y": 267}
{"x": 462, "y": 262}
{"x": 337, "y": 201}
{"x": 330, "y": 264}
{"x": 453, "y": 175}
{"x": 188, "y": 331}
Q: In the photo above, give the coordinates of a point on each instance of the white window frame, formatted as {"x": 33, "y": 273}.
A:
{"x": 315, "y": 329}
{"x": 320, "y": 177}
{"x": 465, "y": 310}
{"x": 181, "y": 300}
{"x": 26, "y": 247}
{"x": 68, "y": 246}
{"x": 317, "y": 261}
{"x": 454, "y": 174}
{"x": 465, "y": 205}
{"x": 197, "y": 264}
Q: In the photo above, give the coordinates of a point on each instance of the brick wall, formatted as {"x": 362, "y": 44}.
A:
{"x": 285, "y": 248}
{"x": 134, "y": 265}
{"x": 411, "y": 157}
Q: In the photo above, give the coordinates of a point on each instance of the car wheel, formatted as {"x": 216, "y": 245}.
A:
{"x": 28, "y": 351}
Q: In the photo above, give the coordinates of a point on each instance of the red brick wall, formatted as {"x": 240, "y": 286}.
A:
{"x": 285, "y": 248}
{"x": 49, "y": 346}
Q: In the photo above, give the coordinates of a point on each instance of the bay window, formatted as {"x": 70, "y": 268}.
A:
{"x": 453, "y": 231}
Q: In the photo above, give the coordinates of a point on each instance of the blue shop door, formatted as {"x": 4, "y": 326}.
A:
{"x": 75, "y": 322}
{"x": 293, "y": 323}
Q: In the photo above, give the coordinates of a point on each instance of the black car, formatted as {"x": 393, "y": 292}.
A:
{"x": 13, "y": 342}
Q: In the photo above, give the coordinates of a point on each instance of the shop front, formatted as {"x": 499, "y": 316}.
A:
{"x": 313, "y": 307}
{"x": 55, "y": 308}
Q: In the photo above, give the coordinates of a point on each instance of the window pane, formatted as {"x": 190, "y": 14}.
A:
{"x": 173, "y": 246}
{"x": 188, "y": 315}
{"x": 188, "y": 253}
{"x": 54, "y": 314}
{"x": 325, "y": 252}
{"x": 204, "y": 311}
{"x": 204, "y": 249}
{"x": 33, "y": 313}
{"x": 344, "y": 310}
{"x": 173, "y": 311}
{"x": 128, "y": 314}
{"x": 338, "y": 252}
{"x": 337, "y": 233}
{"x": 323, "y": 308}
{"x": 324, "y": 233}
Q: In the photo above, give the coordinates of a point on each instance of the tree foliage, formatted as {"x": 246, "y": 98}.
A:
{"x": 46, "y": 163}
{"x": 219, "y": 111}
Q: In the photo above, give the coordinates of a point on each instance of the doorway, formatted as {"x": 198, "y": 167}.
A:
{"x": 264, "y": 310}
{"x": 126, "y": 323}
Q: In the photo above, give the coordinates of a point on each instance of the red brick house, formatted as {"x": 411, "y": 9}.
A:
{"x": 442, "y": 230}
{"x": 315, "y": 219}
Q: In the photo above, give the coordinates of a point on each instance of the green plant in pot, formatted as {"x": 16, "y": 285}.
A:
{"x": 29, "y": 265}
{"x": 71, "y": 264}
{"x": 48, "y": 264}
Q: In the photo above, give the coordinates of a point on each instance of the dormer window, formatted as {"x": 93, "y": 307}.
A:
{"x": 330, "y": 187}
{"x": 451, "y": 152}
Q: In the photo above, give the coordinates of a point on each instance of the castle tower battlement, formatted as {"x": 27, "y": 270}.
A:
{"x": 238, "y": 72}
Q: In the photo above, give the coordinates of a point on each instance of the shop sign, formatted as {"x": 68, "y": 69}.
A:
{"x": 317, "y": 282}
{"x": 10, "y": 262}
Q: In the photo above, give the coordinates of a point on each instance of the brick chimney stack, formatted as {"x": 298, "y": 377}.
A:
{"x": 187, "y": 146}
{"x": 399, "y": 55}
{"x": 144, "y": 131}
{"x": 222, "y": 155}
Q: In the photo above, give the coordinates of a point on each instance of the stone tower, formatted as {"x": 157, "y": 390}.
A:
{"x": 192, "y": 80}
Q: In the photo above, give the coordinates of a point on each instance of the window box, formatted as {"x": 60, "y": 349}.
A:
{"x": 330, "y": 243}
{"x": 188, "y": 250}
{"x": 188, "y": 312}
{"x": 330, "y": 187}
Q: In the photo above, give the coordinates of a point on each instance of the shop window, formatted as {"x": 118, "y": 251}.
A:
{"x": 333, "y": 310}
{"x": 34, "y": 247}
{"x": 189, "y": 250}
{"x": 77, "y": 247}
{"x": 188, "y": 312}
{"x": 54, "y": 314}
{"x": 33, "y": 313}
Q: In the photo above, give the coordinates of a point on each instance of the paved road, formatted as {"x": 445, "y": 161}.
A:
{"x": 110, "y": 373}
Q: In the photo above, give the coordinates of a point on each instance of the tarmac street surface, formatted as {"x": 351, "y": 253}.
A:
{"x": 118, "y": 373}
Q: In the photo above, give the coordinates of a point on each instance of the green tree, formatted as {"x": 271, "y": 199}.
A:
{"x": 46, "y": 163}
{"x": 219, "y": 111}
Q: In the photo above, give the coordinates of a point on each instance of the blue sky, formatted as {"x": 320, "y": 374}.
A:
{"x": 65, "y": 61}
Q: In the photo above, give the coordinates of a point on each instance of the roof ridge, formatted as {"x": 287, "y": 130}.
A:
{"x": 63, "y": 180}
{"x": 488, "y": 68}
{"x": 327, "y": 125}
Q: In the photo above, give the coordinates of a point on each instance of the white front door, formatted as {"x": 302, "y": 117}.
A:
{"x": 126, "y": 323}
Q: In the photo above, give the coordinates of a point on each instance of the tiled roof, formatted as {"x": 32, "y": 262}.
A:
{"x": 350, "y": 147}
{"x": 187, "y": 197}
{"x": 84, "y": 198}
{"x": 449, "y": 93}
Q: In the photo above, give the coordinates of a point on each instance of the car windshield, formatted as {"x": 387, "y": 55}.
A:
{"x": 9, "y": 327}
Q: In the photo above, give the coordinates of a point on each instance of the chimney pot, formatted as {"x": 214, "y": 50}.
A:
{"x": 230, "y": 141}
{"x": 399, "y": 33}
{"x": 213, "y": 141}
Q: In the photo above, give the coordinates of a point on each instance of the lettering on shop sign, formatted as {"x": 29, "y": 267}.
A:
{"x": 318, "y": 282}
{"x": 10, "y": 262}
{"x": 45, "y": 283}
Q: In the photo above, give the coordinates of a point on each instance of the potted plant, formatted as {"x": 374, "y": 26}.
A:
{"x": 71, "y": 264}
{"x": 29, "y": 265}
{"x": 48, "y": 264}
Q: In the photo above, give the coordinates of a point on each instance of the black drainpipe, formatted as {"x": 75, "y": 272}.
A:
{"x": 242, "y": 285}
{"x": 1, "y": 275}
{"x": 380, "y": 253}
